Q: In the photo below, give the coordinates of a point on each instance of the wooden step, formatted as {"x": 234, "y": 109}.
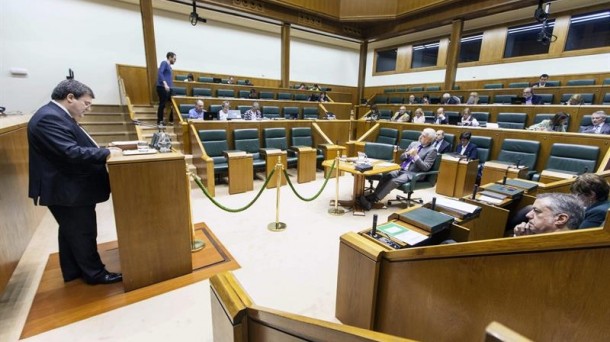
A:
{"x": 105, "y": 117}
{"x": 107, "y": 108}
{"x": 107, "y": 127}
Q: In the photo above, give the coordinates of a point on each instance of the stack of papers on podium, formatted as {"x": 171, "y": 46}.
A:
{"x": 402, "y": 234}
{"x": 457, "y": 208}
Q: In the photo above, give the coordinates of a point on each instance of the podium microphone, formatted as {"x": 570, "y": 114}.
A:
{"x": 518, "y": 162}
{"x": 374, "y": 229}
{"x": 505, "y": 175}
{"x": 433, "y": 206}
{"x": 474, "y": 191}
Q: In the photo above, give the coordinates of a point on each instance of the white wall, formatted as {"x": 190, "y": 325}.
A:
{"x": 47, "y": 37}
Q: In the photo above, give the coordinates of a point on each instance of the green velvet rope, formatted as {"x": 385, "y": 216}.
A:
{"x": 319, "y": 192}
{"x": 197, "y": 180}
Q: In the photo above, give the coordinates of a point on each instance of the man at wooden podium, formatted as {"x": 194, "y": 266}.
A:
{"x": 68, "y": 175}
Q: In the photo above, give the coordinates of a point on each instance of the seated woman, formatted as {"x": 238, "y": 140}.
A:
{"x": 190, "y": 78}
{"x": 372, "y": 115}
{"x": 323, "y": 97}
{"x": 418, "y": 116}
{"x": 253, "y": 94}
{"x": 467, "y": 119}
{"x": 302, "y": 86}
{"x": 575, "y": 100}
{"x": 557, "y": 124}
{"x": 592, "y": 190}
{"x": 425, "y": 99}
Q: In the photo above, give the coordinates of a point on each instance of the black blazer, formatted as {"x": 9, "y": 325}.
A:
{"x": 66, "y": 168}
{"x": 471, "y": 151}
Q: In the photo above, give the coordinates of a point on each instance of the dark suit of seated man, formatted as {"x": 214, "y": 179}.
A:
{"x": 466, "y": 148}
{"x": 550, "y": 213}
{"x": 598, "y": 124}
{"x": 592, "y": 190}
{"x": 530, "y": 98}
{"x": 418, "y": 157}
{"x": 440, "y": 144}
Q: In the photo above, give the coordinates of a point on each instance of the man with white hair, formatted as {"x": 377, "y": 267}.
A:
{"x": 598, "y": 124}
{"x": 418, "y": 157}
{"x": 448, "y": 99}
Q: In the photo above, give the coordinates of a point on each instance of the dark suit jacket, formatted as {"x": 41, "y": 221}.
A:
{"x": 471, "y": 151}
{"x": 591, "y": 129}
{"x": 441, "y": 122}
{"x": 444, "y": 148}
{"x": 66, "y": 168}
{"x": 536, "y": 100}
{"x": 595, "y": 215}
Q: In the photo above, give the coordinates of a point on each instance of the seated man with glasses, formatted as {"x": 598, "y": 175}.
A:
{"x": 530, "y": 98}
{"x": 550, "y": 213}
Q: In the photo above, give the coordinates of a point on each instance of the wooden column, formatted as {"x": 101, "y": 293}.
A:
{"x": 285, "y": 82}
{"x": 362, "y": 70}
{"x": 453, "y": 53}
{"x": 150, "y": 49}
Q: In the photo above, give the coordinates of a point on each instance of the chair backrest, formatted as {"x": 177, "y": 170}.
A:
{"x": 553, "y": 83}
{"x": 241, "y": 82}
{"x": 244, "y": 94}
{"x": 247, "y": 140}
{"x": 179, "y": 91}
{"x": 301, "y": 136}
{"x": 271, "y": 112}
{"x": 275, "y": 138}
{"x": 396, "y": 99}
{"x": 493, "y": 86}
{"x": 606, "y": 100}
{"x": 407, "y": 137}
{"x": 431, "y": 179}
{"x": 606, "y": 81}
{"x": 483, "y": 147}
{"x": 215, "y": 108}
{"x": 224, "y": 81}
{"x": 503, "y": 99}
{"x": 524, "y": 151}
{"x": 518, "y": 85}
{"x": 388, "y": 90}
{"x": 301, "y": 97}
{"x": 202, "y": 92}
{"x": 588, "y": 98}
{"x": 433, "y": 88}
{"x": 417, "y": 88}
{"x": 180, "y": 77}
{"x": 546, "y": 98}
{"x": 449, "y": 138}
{"x": 582, "y": 82}
{"x": 542, "y": 116}
{"x": 483, "y": 99}
{"x": 482, "y": 117}
{"x": 512, "y": 120}
{"x": 379, "y": 151}
{"x": 214, "y": 142}
{"x": 385, "y": 114}
{"x": 585, "y": 121}
{"x": 452, "y": 117}
{"x": 205, "y": 79}
{"x": 387, "y": 136}
{"x": 291, "y": 112}
{"x": 284, "y": 96}
{"x": 310, "y": 112}
{"x": 381, "y": 99}
{"x": 572, "y": 158}
{"x": 185, "y": 108}
{"x": 225, "y": 93}
{"x": 267, "y": 95}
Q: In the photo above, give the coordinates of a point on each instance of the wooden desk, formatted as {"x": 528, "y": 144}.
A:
{"x": 241, "y": 173}
{"x": 548, "y": 176}
{"x": 359, "y": 177}
{"x": 493, "y": 171}
{"x": 456, "y": 177}
{"x": 306, "y": 164}
{"x": 271, "y": 158}
{"x": 150, "y": 195}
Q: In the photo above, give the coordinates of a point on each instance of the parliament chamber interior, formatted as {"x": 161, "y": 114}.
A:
{"x": 249, "y": 212}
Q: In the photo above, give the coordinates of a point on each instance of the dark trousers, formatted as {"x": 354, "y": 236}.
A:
{"x": 164, "y": 98}
{"x": 78, "y": 256}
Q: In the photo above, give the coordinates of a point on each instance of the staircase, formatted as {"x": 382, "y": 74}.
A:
{"x": 107, "y": 123}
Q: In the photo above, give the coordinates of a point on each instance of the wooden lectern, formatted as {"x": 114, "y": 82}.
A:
{"x": 241, "y": 172}
{"x": 493, "y": 171}
{"x": 150, "y": 194}
{"x": 549, "y": 176}
{"x": 456, "y": 176}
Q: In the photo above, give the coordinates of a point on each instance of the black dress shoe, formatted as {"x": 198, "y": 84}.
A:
{"x": 364, "y": 203}
{"x": 106, "y": 278}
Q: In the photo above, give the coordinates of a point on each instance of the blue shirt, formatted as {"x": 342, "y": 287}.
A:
{"x": 193, "y": 114}
{"x": 164, "y": 74}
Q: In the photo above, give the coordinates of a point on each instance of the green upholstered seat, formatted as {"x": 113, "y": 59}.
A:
{"x": 483, "y": 147}
{"x": 417, "y": 88}
{"x": 206, "y": 79}
{"x": 276, "y": 138}
{"x": 271, "y": 112}
{"x": 585, "y": 121}
{"x": 244, "y": 94}
{"x": 385, "y": 114}
{"x": 542, "y": 116}
{"x": 381, "y": 99}
{"x": 215, "y": 108}
{"x": 178, "y": 91}
{"x": 523, "y": 152}
{"x": 396, "y": 99}
{"x": 267, "y": 95}
{"x": 225, "y": 93}
{"x": 389, "y": 90}
{"x": 483, "y": 99}
{"x": 215, "y": 143}
{"x": 606, "y": 100}
{"x": 482, "y": 118}
{"x": 546, "y": 98}
{"x": 247, "y": 140}
{"x": 581, "y": 82}
{"x": 310, "y": 112}
{"x": 449, "y": 138}
{"x": 243, "y": 109}
{"x": 553, "y": 83}
{"x": 241, "y": 82}
{"x": 503, "y": 99}
{"x": 291, "y": 112}
{"x": 202, "y": 92}
{"x": 180, "y": 77}
{"x": 433, "y": 88}
{"x": 301, "y": 97}
{"x": 512, "y": 120}
{"x": 493, "y": 86}
{"x": 587, "y": 98}
{"x": 301, "y": 136}
{"x": 571, "y": 159}
{"x": 407, "y": 137}
{"x": 421, "y": 180}
{"x": 387, "y": 136}
{"x": 284, "y": 96}
{"x": 518, "y": 85}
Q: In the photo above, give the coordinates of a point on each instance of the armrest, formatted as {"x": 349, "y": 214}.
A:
{"x": 270, "y": 151}
{"x": 300, "y": 148}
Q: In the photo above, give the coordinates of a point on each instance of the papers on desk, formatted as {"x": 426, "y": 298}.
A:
{"x": 459, "y": 209}
{"x": 489, "y": 199}
{"x": 384, "y": 164}
{"x": 140, "y": 151}
{"x": 401, "y": 233}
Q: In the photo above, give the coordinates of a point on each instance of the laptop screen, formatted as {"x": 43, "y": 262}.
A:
{"x": 234, "y": 114}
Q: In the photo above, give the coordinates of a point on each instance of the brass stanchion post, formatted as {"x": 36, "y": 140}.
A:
{"x": 277, "y": 226}
{"x": 336, "y": 210}
{"x": 196, "y": 244}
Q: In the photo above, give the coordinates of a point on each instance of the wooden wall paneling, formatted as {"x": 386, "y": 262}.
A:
{"x": 453, "y": 53}
{"x": 285, "y": 58}
{"x": 562, "y": 26}
{"x": 404, "y": 7}
{"x": 352, "y": 10}
{"x": 203, "y": 163}
{"x": 443, "y": 50}
{"x": 403, "y": 59}
{"x": 492, "y": 47}
{"x": 135, "y": 79}
{"x": 329, "y": 8}
{"x": 20, "y": 217}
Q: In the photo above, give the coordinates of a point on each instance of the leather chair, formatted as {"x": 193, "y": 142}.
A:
{"x": 417, "y": 89}
{"x": 493, "y": 86}
{"x": 571, "y": 159}
{"x": 178, "y": 91}
{"x": 271, "y": 112}
{"x": 379, "y": 151}
{"x": 284, "y": 96}
{"x": 482, "y": 118}
{"x": 381, "y": 99}
{"x": 267, "y": 95}
{"x": 453, "y": 117}
{"x": 244, "y": 94}
{"x": 247, "y": 140}
{"x": 433, "y": 88}
{"x": 450, "y": 139}
{"x": 523, "y": 151}
{"x": 225, "y": 93}
{"x": 582, "y": 82}
{"x": 483, "y": 99}
{"x": 387, "y": 136}
{"x": 243, "y": 109}
{"x": 587, "y": 98}
{"x": 241, "y": 82}
{"x": 389, "y": 90}
{"x": 503, "y": 99}
{"x": 215, "y": 143}
{"x": 185, "y": 108}
{"x": 606, "y": 81}
{"x": 519, "y": 85}
{"x": 538, "y": 118}
{"x": 546, "y": 98}
{"x": 202, "y": 92}
{"x": 310, "y": 112}
{"x": 181, "y": 77}
{"x": 553, "y": 83}
{"x": 407, "y": 137}
{"x": 301, "y": 97}
{"x": 301, "y": 136}
{"x": 276, "y": 138}
{"x": 396, "y": 99}
{"x": 421, "y": 180}
{"x": 512, "y": 120}
{"x": 584, "y": 122}
{"x": 291, "y": 112}
{"x": 606, "y": 100}
{"x": 385, "y": 114}
{"x": 206, "y": 79}
{"x": 483, "y": 147}
{"x": 214, "y": 109}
